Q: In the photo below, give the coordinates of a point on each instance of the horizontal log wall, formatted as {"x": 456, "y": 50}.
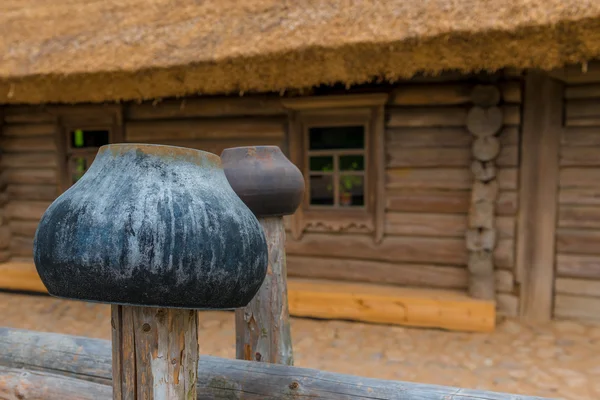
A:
{"x": 207, "y": 124}
{"x": 577, "y": 285}
{"x": 429, "y": 181}
{"x": 29, "y": 175}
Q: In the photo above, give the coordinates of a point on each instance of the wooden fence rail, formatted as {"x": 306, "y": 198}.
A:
{"x": 48, "y": 366}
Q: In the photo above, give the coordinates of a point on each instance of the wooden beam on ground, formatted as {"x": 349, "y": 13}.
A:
{"x": 375, "y": 303}
{"x": 542, "y": 126}
{"x": 446, "y": 309}
{"x": 66, "y": 359}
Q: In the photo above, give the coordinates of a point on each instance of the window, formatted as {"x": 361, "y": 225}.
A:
{"x": 336, "y": 160}
{"x": 83, "y": 130}
{"x": 337, "y": 142}
{"x": 83, "y": 144}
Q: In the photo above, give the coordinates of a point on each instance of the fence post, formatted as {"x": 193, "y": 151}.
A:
{"x": 157, "y": 232}
{"x": 271, "y": 186}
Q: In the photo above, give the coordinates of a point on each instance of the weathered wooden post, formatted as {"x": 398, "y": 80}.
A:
{"x": 158, "y": 232}
{"x": 271, "y": 186}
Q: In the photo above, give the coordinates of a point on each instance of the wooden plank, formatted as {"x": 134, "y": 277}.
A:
{"x": 579, "y": 196}
{"x": 508, "y": 157}
{"x": 17, "y": 383}
{"x": 213, "y": 129}
{"x": 422, "y": 224}
{"x": 429, "y": 178}
{"x": 29, "y": 144}
{"x": 578, "y": 266}
{"x": 432, "y": 94}
{"x": 23, "y": 228}
{"x": 588, "y": 91}
{"x": 542, "y": 124}
{"x": 511, "y": 91}
{"x": 508, "y": 178}
{"x": 443, "y": 251}
{"x": 418, "y": 275}
{"x": 45, "y": 193}
{"x": 443, "y": 137}
{"x": 580, "y": 156}
{"x": 426, "y": 117}
{"x": 29, "y": 130}
{"x": 27, "y": 114}
{"x": 504, "y": 254}
{"x": 206, "y": 107}
{"x": 582, "y": 121}
{"x": 25, "y": 176}
{"x": 427, "y": 157}
{"x": 509, "y": 136}
{"x": 21, "y": 246}
{"x": 374, "y": 303}
{"x": 575, "y": 109}
{"x": 428, "y": 137}
{"x": 579, "y": 177}
{"x": 577, "y": 241}
{"x": 506, "y": 226}
{"x": 580, "y": 136}
{"x": 578, "y": 287}
{"x": 442, "y": 116}
{"x": 444, "y": 201}
{"x": 576, "y": 307}
{"x": 507, "y": 203}
{"x": 505, "y": 280}
{"x": 26, "y": 210}
{"x": 28, "y": 160}
{"x": 511, "y": 114}
{"x": 89, "y": 360}
{"x": 573, "y": 216}
{"x": 428, "y": 201}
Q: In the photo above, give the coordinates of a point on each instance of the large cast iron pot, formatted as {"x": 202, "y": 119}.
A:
{"x": 155, "y": 226}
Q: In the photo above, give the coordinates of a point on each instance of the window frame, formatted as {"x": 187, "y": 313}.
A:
{"x": 345, "y": 110}
{"x": 107, "y": 117}
{"x": 335, "y": 122}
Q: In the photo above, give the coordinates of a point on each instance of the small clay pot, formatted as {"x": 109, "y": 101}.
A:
{"x": 266, "y": 181}
{"x": 152, "y": 225}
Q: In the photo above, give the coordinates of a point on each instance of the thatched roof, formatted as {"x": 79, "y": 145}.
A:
{"x": 95, "y": 50}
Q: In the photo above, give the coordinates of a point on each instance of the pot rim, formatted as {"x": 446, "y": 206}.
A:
{"x": 162, "y": 150}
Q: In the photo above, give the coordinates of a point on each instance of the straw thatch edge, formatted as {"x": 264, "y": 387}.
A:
{"x": 545, "y": 47}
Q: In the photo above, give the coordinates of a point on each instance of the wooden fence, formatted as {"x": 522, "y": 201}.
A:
{"x": 48, "y": 366}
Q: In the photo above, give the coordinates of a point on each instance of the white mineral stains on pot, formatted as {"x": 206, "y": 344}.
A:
{"x": 139, "y": 225}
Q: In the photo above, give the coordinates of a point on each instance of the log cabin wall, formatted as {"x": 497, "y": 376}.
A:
{"x": 210, "y": 124}
{"x": 577, "y": 282}
{"x": 427, "y": 180}
{"x": 29, "y": 171}
{"x": 429, "y": 183}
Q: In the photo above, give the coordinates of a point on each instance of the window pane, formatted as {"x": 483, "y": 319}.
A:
{"x": 352, "y": 191}
{"x": 78, "y": 167}
{"x": 81, "y": 138}
{"x": 321, "y": 190}
{"x": 352, "y": 163}
{"x": 321, "y": 163}
{"x": 336, "y": 137}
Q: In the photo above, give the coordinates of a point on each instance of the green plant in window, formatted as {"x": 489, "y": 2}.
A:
{"x": 347, "y": 183}
{"x": 78, "y": 138}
